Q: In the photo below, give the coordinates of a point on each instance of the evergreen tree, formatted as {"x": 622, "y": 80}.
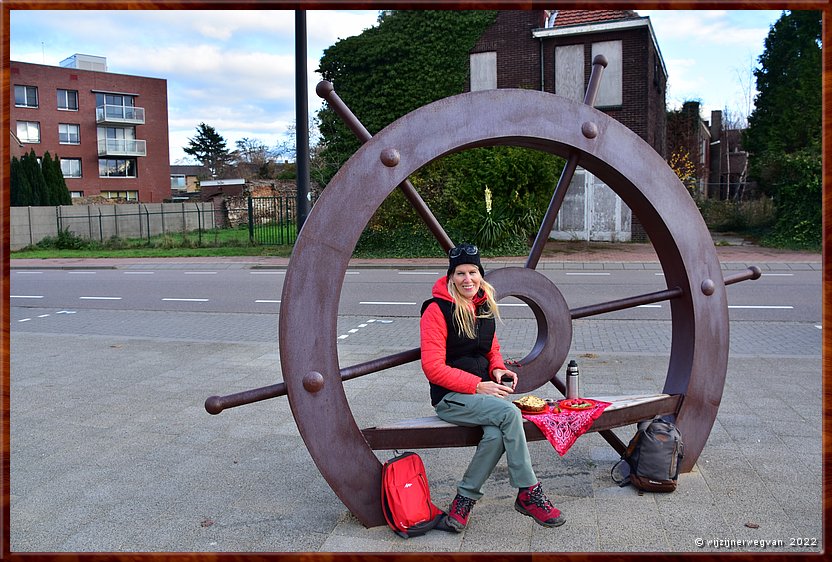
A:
{"x": 784, "y": 132}
{"x": 20, "y": 190}
{"x": 210, "y": 150}
{"x": 58, "y": 194}
{"x": 34, "y": 175}
{"x": 411, "y": 58}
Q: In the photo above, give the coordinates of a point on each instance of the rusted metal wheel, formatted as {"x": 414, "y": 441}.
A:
{"x": 586, "y": 137}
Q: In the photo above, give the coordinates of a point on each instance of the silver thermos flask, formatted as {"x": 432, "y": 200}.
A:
{"x": 572, "y": 380}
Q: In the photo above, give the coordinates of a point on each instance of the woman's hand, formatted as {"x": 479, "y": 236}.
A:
{"x": 493, "y": 389}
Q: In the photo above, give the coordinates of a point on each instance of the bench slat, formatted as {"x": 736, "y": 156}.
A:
{"x": 430, "y": 432}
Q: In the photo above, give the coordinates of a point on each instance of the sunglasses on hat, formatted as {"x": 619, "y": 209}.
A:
{"x": 469, "y": 249}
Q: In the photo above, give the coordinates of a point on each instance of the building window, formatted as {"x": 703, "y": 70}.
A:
{"x": 69, "y": 133}
{"x": 569, "y": 72}
{"x": 127, "y": 195}
{"x": 116, "y": 105}
{"x": 68, "y": 100}
{"x": 76, "y": 194}
{"x": 28, "y": 131}
{"x": 117, "y": 167}
{"x": 177, "y": 182}
{"x": 25, "y": 96}
{"x": 483, "y": 71}
{"x": 610, "y": 90}
{"x": 71, "y": 167}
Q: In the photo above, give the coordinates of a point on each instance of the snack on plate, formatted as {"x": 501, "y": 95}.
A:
{"x": 576, "y": 404}
{"x": 530, "y": 404}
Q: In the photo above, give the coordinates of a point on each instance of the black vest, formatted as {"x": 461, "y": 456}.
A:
{"x": 462, "y": 352}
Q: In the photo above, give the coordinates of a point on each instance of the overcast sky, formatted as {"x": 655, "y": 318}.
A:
{"x": 234, "y": 69}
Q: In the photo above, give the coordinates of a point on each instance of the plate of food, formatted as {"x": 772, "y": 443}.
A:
{"x": 576, "y": 403}
{"x": 531, "y": 405}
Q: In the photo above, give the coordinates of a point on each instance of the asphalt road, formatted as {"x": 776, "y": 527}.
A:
{"x": 776, "y": 315}
{"x": 777, "y": 297}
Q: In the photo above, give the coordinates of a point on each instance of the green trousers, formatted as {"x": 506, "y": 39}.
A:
{"x": 502, "y": 426}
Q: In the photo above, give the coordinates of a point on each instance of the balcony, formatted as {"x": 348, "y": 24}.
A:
{"x": 119, "y": 115}
{"x": 122, "y": 147}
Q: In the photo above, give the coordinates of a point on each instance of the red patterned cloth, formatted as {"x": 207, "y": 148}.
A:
{"x": 564, "y": 427}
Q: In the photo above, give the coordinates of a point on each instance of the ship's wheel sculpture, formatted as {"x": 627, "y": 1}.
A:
{"x": 313, "y": 376}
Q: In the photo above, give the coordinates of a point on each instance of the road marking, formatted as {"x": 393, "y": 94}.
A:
{"x": 649, "y": 306}
{"x": 65, "y": 312}
{"x": 82, "y": 272}
{"x": 281, "y": 272}
{"x": 100, "y": 298}
{"x": 352, "y": 273}
{"x": 580, "y": 273}
{"x": 28, "y": 272}
{"x": 24, "y": 319}
{"x": 772, "y": 307}
{"x": 43, "y": 315}
{"x": 434, "y": 273}
{"x": 25, "y": 296}
{"x": 139, "y": 272}
{"x": 818, "y": 326}
{"x": 387, "y": 302}
{"x": 778, "y": 274}
{"x": 266, "y": 300}
{"x": 185, "y": 300}
{"x": 200, "y": 273}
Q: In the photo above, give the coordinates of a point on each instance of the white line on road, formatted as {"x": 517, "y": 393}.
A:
{"x": 594, "y": 273}
{"x": 280, "y": 272}
{"x": 200, "y": 273}
{"x": 778, "y": 274}
{"x": 100, "y": 298}
{"x": 773, "y": 307}
{"x": 28, "y": 272}
{"x": 82, "y": 272}
{"x": 42, "y": 315}
{"x": 185, "y": 300}
{"x": 25, "y": 296}
{"x": 24, "y": 319}
{"x": 649, "y": 306}
{"x": 139, "y": 272}
{"x": 387, "y": 302}
{"x": 266, "y": 300}
{"x": 818, "y": 326}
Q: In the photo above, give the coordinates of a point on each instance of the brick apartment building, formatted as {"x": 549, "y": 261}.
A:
{"x": 110, "y": 130}
{"x": 552, "y": 51}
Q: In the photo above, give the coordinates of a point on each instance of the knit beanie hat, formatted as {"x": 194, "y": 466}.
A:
{"x": 464, "y": 253}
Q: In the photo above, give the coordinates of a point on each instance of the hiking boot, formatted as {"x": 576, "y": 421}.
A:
{"x": 457, "y": 517}
{"x": 534, "y": 503}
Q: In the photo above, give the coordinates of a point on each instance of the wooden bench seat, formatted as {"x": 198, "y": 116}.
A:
{"x": 430, "y": 432}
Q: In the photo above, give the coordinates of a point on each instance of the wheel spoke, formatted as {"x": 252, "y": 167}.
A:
{"x": 327, "y": 92}
{"x": 380, "y": 364}
{"x": 628, "y": 302}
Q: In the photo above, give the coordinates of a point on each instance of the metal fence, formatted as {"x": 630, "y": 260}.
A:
{"x": 272, "y": 220}
{"x": 30, "y": 225}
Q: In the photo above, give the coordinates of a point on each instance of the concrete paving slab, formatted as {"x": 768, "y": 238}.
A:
{"x": 108, "y": 459}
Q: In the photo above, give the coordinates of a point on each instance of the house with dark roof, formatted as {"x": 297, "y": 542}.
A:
{"x": 552, "y": 51}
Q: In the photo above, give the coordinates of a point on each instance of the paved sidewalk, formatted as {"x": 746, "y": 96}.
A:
{"x": 557, "y": 256}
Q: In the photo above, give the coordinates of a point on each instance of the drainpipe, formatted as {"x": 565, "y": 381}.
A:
{"x": 542, "y": 70}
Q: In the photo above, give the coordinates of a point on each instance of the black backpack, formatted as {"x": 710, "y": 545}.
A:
{"x": 651, "y": 461}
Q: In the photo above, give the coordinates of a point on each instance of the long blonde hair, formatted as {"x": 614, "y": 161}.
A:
{"x": 465, "y": 316}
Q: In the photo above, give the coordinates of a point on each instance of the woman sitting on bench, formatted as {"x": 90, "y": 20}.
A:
{"x": 461, "y": 359}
